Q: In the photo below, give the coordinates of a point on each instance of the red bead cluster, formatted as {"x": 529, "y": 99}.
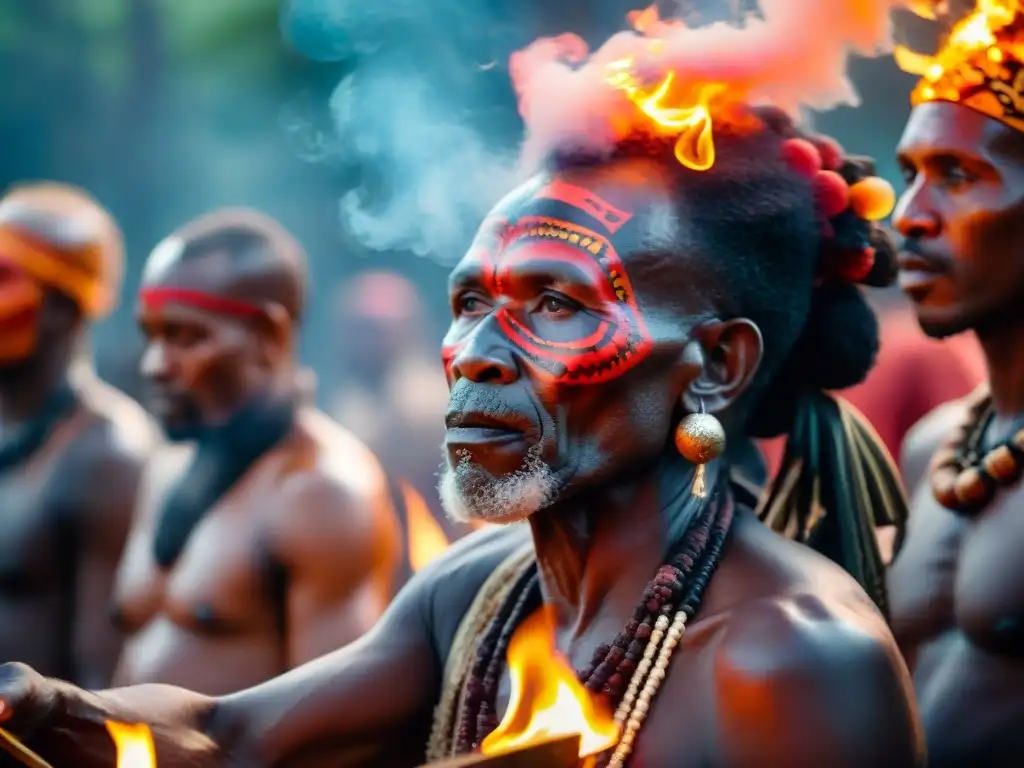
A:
{"x": 819, "y": 159}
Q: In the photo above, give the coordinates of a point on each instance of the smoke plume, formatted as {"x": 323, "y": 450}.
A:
{"x": 427, "y": 117}
{"x": 794, "y": 55}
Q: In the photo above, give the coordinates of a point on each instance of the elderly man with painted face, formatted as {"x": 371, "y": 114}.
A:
{"x": 613, "y": 318}
{"x": 958, "y": 586}
{"x": 71, "y": 448}
{"x": 265, "y": 536}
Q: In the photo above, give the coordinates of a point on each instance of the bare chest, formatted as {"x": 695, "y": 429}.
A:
{"x": 223, "y": 581}
{"x": 680, "y": 713}
{"x": 963, "y": 575}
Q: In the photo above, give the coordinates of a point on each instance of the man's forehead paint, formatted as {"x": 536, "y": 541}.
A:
{"x": 587, "y": 201}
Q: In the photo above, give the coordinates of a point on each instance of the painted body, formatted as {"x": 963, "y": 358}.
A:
{"x": 957, "y": 588}
{"x": 787, "y": 662}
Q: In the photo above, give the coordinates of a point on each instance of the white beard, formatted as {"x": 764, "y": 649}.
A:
{"x": 470, "y": 493}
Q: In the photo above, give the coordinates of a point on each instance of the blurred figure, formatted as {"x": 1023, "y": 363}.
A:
{"x": 265, "y": 536}
{"x": 71, "y": 448}
{"x": 392, "y": 394}
{"x": 913, "y": 375}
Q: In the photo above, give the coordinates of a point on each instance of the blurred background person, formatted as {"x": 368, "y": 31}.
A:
{"x": 389, "y": 389}
{"x": 71, "y": 448}
{"x": 266, "y": 536}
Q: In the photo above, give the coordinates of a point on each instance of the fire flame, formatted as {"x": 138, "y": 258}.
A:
{"x": 547, "y": 699}
{"x": 691, "y": 121}
{"x": 134, "y": 745}
{"x": 972, "y": 35}
{"x": 426, "y": 539}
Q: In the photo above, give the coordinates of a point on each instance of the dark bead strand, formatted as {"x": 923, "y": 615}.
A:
{"x": 487, "y": 719}
{"x": 473, "y": 693}
{"x": 669, "y": 582}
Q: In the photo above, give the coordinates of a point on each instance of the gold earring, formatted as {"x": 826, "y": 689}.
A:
{"x": 700, "y": 438}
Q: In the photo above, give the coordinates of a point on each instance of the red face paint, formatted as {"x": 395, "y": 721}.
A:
{"x": 157, "y": 298}
{"x": 602, "y": 342}
{"x": 580, "y": 197}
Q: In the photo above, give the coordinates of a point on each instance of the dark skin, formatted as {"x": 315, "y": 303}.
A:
{"x": 784, "y": 640}
{"x": 78, "y": 488}
{"x": 957, "y": 589}
{"x": 313, "y": 507}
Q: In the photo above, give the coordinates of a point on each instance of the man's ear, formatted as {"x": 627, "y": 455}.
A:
{"x": 732, "y": 352}
{"x": 275, "y": 334}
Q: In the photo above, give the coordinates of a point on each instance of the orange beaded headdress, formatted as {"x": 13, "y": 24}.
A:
{"x": 980, "y": 63}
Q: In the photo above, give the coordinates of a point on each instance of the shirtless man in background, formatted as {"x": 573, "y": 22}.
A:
{"x": 71, "y": 448}
{"x": 957, "y": 586}
{"x": 266, "y": 536}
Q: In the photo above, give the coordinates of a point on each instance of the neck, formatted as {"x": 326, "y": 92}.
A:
{"x": 26, "y": 389}
{"x": 1004, "y": 356}
{"x": 599, "y": 550}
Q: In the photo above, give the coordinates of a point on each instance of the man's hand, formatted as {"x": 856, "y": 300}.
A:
{"x": 68, "y": 726}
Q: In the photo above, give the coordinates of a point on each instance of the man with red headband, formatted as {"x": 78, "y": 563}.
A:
{"x": 71, "y": 448}
{"x": 265, "y": 536}
{"x": 958, "y": 585}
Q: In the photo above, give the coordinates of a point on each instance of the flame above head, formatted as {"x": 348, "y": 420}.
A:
{"x": 426, "y": 539}
{"x": 547, "y": 699}
{"x": 134, "y": 745}
{"x": 690, "y": 120}
{"x": 664, "y": 78}
{"x": 972, "y": 49}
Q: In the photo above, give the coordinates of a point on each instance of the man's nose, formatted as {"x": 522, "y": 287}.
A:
{"x": 154, "y": 362}
{"x": 486, "y": 357}
{"x": 915, "y": 217}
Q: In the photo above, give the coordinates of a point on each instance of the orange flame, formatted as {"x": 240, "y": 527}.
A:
{"x": 426, "y": 537}
{"x": 972, "y": 35}
{"x": 695, "y": 147}
{"x": 547, "y": 699}
{"x": 134, "y": 745}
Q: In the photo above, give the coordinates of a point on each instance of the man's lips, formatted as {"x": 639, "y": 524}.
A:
{"x": 475, "y": 427}
{"x": 919, "y": 272}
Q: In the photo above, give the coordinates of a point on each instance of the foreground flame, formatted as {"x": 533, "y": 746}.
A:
{"x": 426, "y": 537}
{"x": 695, "y": 147}
{"x": 134, "y": 745}
{"x": 970, "y": 36}
{"x": 547, "y": 699}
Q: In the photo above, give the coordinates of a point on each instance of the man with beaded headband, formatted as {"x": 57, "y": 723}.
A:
{"x": 958, "y": 587}
{"x": 615, "y": 318}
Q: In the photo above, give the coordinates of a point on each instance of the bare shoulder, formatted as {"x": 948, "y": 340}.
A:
{"x": 805, "y": 668}
{"x": 333, "y": 490}
{"x": 925, "y": 437}
{"x": 116, "y": 441}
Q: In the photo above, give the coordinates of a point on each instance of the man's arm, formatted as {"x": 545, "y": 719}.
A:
{"x": 369, "y": 703}
{"x": 108, "y": 475}
{"x": 339, "y": 551}
{"x": 802, "y": 687}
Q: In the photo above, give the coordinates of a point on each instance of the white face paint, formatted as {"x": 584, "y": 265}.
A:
{"x": 163, "y": 257}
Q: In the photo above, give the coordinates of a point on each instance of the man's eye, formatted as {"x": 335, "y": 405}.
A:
{"x": 957, "y": 175}
{"x": 557, "y": 305}
{"x": 470, "y": 304}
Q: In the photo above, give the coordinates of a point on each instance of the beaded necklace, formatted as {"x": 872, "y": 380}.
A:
{"x": 965, "y": 478}
{"x": 628, "y": 671}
